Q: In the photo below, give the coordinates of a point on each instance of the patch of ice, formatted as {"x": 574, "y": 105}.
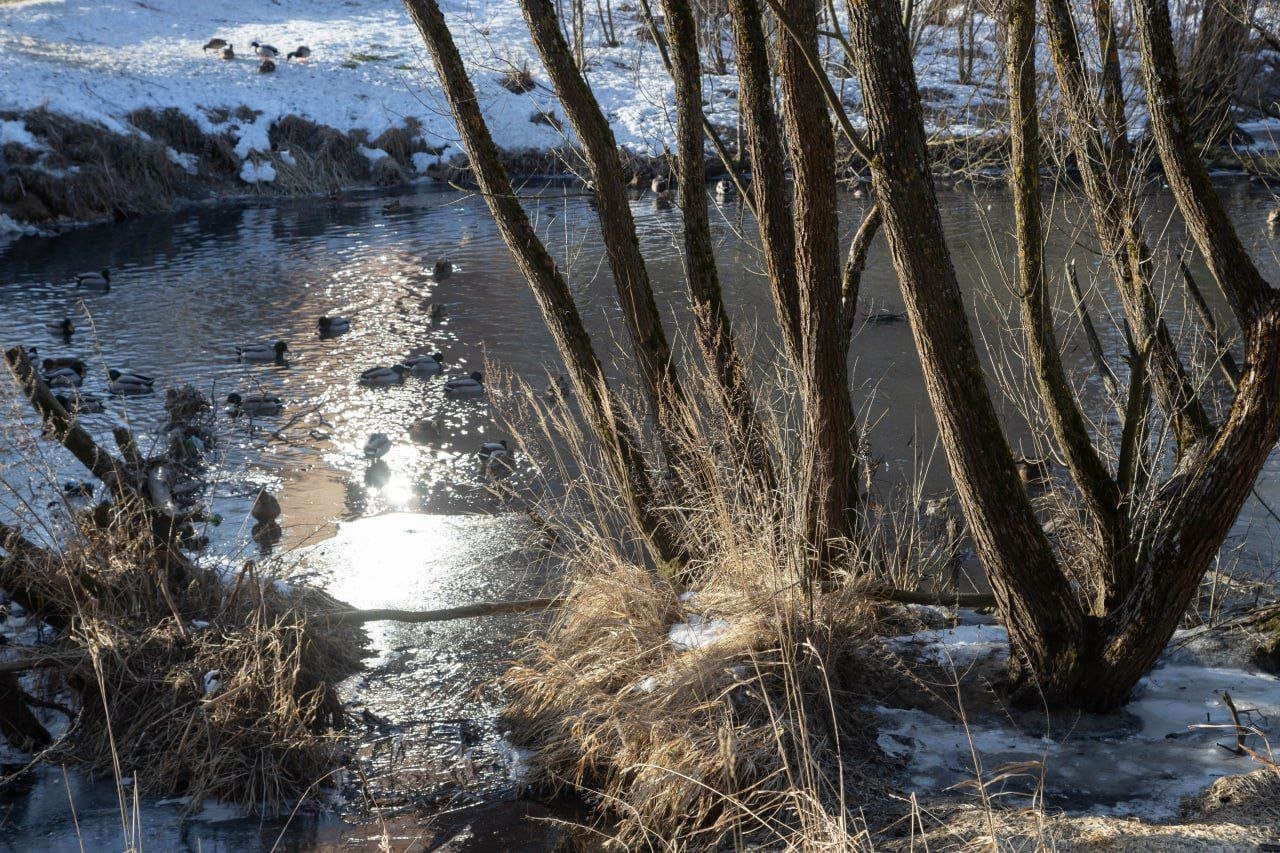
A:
{"x": 253, "y": 172}
{"x": 516, "y": 758}
{"x": 697, "y": 633}
{"x": 960, "y": 645}
{"x": 9, "y": 225}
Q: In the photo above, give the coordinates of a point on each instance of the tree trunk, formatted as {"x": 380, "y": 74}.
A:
{"x": 1213, "y": 74}
{"x": 828, "y": 477}
{"x": 1040, "y": 609}
{"x": 711, "y": 320}
{"x": 549, "y": 287}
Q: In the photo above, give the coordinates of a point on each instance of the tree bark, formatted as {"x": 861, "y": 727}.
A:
{"x": 711, "y": 321}
{"x": 828, "y": 476}
{"x": 549, "y": 287}
{"x": 1040, "y": 609}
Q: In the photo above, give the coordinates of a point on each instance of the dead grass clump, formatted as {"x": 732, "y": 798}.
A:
{"x": 518, "y": 81}
{"x": 547, "y": 118}
{"x": 401, "y": 143}
{"x": 171, "y": 126}
{"x": 388, "y": 173}
{"x": 1252, "y": 798}
{"x": 333, "y": 152}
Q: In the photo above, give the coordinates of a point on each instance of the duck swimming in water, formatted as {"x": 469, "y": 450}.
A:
{"x": 377, "y": 446}
{"x": 465, "y": 385}
{"x": 100, "y": 281}
{"x": 80, "y": 404}
{"x": 425, "y": 365}
{"x": 254, "y": 404}
{"x": 381, "y": 376}
{"x": 425, "y": 431}
{"x": 263, "y": 352}
{"x": 443, "y": 268}
{"x": 129, "y": 384}
{"x": 334, "y": 325}
{"x": 62, "y": 327}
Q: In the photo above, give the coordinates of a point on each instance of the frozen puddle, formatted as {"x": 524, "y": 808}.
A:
{"x": 1141, "y": 761}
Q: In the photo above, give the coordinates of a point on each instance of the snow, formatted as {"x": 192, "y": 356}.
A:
{"x": 15, "y": 132}
{"x": 185, "y": 162}
{"x": 1142, "y": 761}
{"x": 257, "y": 172}
{"x": 9, "y": 225}
{"x": 697, "y": 633}
{"x": 422, "y": 161}
{"x": 372, "y": 154}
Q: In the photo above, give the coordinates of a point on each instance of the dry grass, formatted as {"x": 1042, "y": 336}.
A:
{"x": 140, "y": 631}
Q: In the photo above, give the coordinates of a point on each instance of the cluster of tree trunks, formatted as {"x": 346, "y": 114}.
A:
{"x": 1083, "y": 627}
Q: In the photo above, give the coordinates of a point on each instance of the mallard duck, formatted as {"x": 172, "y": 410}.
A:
{"x": 462, "y": 385}
{"x": 62, "y": 327}
{"x": 302, "y": 53}
{"x": 425, "y": 365}
{"x": 377, "y": 446}
{"x": 215, "y": 44}
{"x": 560, "y": 389}
{"x": 334, "y": 325}
{"x": 264, "y": 51}
{"x": 80, "y": 404}
{"x": 265, "y": 509}
{"x": 63, "y": 377}
{"x": 229, "y": 53}
{"x": 495, "y": 458}
{"x": 1033, "y": 472}
{"x": 254, "y": 404}
{"x": 127, "y": 383}
{"x": 885, "y": 318}
{"x": 394, "y": 206}
{"x": 263, "y": 352}
{"x": 425, "y": 431}
{"x": 443, "y": 268}
{"x": 94, "y": 280}
{"x": 59, "y": 362}
{"x": 659, "y": 184}
{"x": 377, "y": 376}
{"x": 436, "y": 311}
{"x": 266, "y": 66}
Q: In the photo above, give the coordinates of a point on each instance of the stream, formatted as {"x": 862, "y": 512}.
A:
{"x": 423, "y": 532}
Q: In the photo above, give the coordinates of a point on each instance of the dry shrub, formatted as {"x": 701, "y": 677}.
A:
{"x": 388, "y": 173}
{"x": 518, "y": 81}
{"x": 761, "y": 735}
{"x": 334, "y": 153}
{"x": 401, "y": 143}
{"x": 171, "y": 126}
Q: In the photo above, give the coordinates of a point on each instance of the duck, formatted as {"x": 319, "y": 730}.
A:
{"x": 436, "y": 311}
{"x": 254, "y": 404}
{"x": 229, "y": 53}
{"x": 77, "y": 489}
{"x": 266, "y": 508}
{"x": 215, "y": 44}
{"x": 560, "y": 389}
{"x": 63, "y": 377}
{"x": 659, "y": 184}
{"x": 465, "y": 385}
{"x": 495, "y": 458}
{"x": 334, "y": 325}
{"x": 425, "y": 431}
{"x": 129, "y": 384}
{"x": 493, "y": 448}
{"x": 443, "y": 268}
{"x": 377, "y": 446}
{"x": 1273, "y": 219}
{"x": 425, "y": 365}
{"x": 95, "y": 280}
{"x": 62, "y": 327}
{"x": 302, "y": 53}
{"x": 885, "y": 318}
{"x": 264, "y": 51}
{"x": 59, "y": 362}
{"x": 80, "y": 404}
{"x": 263, "y": 352}
{"x": 1033, "y": 472}
{"x": 266, "y": 66}
{"x": 379, "y": 376}
{"x": 725, "y": 188}
{"x": 393, "y": 206}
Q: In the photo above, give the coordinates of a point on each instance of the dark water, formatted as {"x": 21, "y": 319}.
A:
{"x": 188, "y": 288}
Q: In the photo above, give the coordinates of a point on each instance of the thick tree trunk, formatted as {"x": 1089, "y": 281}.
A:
{"x": 1044, "y": 618}
{"x": 549, "y": 287}
{"x": 1213, "y": 74}
{"x": 828, "y": 478}
{"x": 711, "y": 320}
